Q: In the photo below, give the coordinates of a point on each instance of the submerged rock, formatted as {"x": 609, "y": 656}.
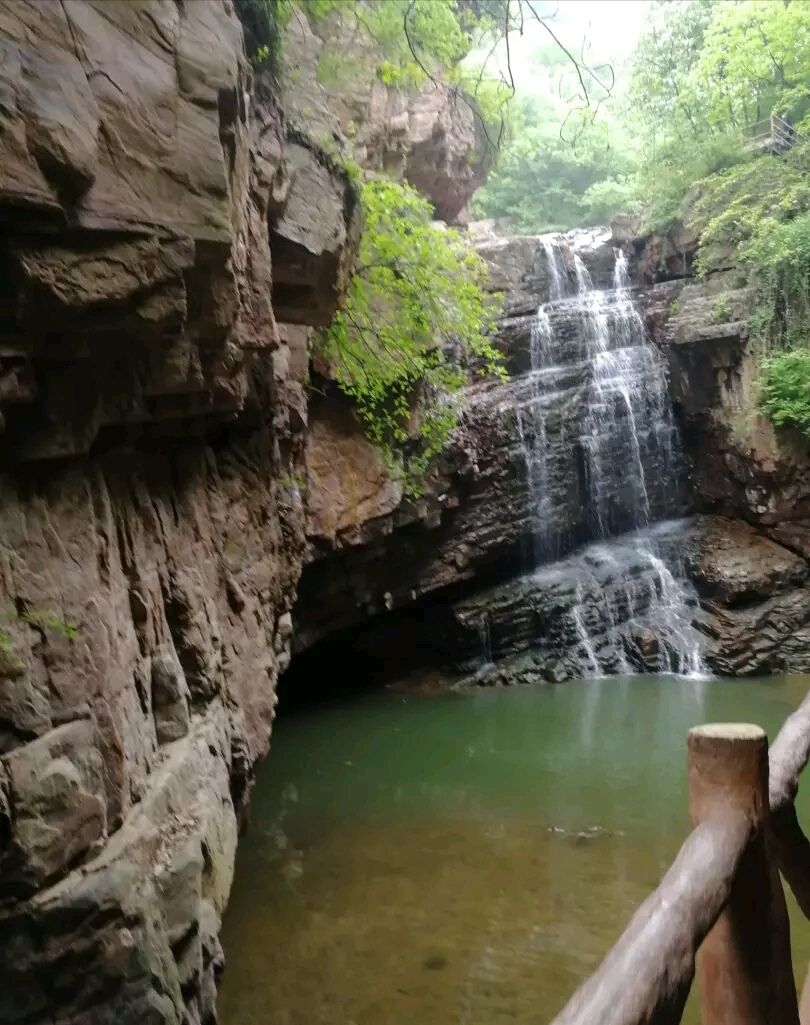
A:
{"x": 555, "y": 671}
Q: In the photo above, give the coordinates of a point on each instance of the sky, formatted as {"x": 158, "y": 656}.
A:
{"x": 613, "y": 24}
{"x": 609, "y": 27}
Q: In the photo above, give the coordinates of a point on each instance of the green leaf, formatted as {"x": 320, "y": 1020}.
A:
{"x": 415, "y": 323}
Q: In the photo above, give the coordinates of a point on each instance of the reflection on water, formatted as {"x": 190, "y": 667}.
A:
{"x": 464, "y": 859}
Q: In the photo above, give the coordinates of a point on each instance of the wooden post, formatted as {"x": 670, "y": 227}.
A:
{"x": 744, "y": 966}
{"x": 804, "y": 1003}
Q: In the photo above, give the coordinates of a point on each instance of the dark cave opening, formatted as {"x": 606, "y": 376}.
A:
{"x": 375, "y": 654}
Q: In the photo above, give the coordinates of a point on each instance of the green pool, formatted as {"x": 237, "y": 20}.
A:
{"x": 464, "y": 858}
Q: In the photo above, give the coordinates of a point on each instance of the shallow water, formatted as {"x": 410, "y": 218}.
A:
{"x": 465, "y": 858}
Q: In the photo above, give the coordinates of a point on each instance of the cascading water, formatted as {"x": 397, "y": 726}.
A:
{"x": 627, "y": 440}
{"x": 531, "y": 425}
{"x": 555, "y": 269}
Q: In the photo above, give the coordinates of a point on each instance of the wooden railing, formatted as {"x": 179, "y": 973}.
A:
{"x": 720, "y": 909}
{"x": 773, "y": 133}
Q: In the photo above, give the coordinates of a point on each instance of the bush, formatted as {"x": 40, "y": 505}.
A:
{"x": 668, "y": 181}
{"x": 736, "y": 209}
{"x": 264, "y": 22}
{"x": 785, "y": 393}
{"x": 721, "y": 312}
{"x": 414, "y": 314}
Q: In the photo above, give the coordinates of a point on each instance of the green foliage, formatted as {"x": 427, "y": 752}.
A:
{"x": 50, "y": 621}
{"x": 264, "y": 22}
{"x": 403, "y": 42}
{"x": 754, "y": 62}
{"x": 664, "y": 106}
{"x": 757, "y": 216}
{"x": 544, "y": 182}
{"x": 779, "y": 261}
{"x": 668, "y": 183}
{"x": 11, "y": 665}
{"x": 704, "y": 75}
{"x": 292, "y": 480}
{"x": 731, "y": 206}
{"x": 414, "y": 314}
{"x": 785, "y": 391}
{"x": 721, "y": 311}
{"x": 670, "y": 108}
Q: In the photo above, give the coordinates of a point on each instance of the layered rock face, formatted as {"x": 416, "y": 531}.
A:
{"x": 151, "y": 530}
{"x": 546, "y": 462}
{"x": 515, "y": 485}
{"x": 745, "y": 466}
{"x": 631, "y": 608}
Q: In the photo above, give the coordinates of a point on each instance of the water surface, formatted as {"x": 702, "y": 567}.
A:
{"x": 464, "y": 858}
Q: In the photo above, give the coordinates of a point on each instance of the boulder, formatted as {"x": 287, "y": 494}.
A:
{"x": 57, "y": 806}
{"x": 733, "y": 564}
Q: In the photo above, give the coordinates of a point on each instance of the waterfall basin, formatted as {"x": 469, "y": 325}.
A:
{"x": 465, "y": 858}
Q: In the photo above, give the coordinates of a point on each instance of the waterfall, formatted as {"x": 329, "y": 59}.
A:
{"x": 485, "y": 637}
{"x": 556, "y": 272}
{"x": 644, "y": 597}
{"x": 625, "y": 432}
{"x": 531, "y": 418}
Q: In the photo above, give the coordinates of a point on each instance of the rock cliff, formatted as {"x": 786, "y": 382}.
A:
{"x": 163, "y": 239}
{"x": 430, "y": 136}
{"x": 449, "y": 566}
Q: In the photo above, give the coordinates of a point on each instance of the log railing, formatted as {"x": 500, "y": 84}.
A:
{"x": 720, "y": 909}
{"x": 773, "y": 133}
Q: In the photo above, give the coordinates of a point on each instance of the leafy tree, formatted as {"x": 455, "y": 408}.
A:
{"x": 738, "y": 210}
{"x": 670, "y": 110}
{"x": 414, "y": 38}
{"x": 661, "y": 95}
{"x": 703, "y": 74}
{"x": 785, "y": 389}
{"x": 754, "y": 61}
{"x": 463, "y": 46}
{"x": 545, "y": 182}
{"x": 415, "y": 315}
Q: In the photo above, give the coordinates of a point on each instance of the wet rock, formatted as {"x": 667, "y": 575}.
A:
{"x": 373, "y": 550}
{"x": 743, "y": 465}
{"x": 646, "y": 642}
{"x": 556, "y": 671}
{"x": 579, "y": 615}
{"x": 662, "y": 257}
{"x": 756, "y": 595}
{"x": 644, "y": 649}
{"x": 793, "y": 536}
{"x": 734, "y": 564}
